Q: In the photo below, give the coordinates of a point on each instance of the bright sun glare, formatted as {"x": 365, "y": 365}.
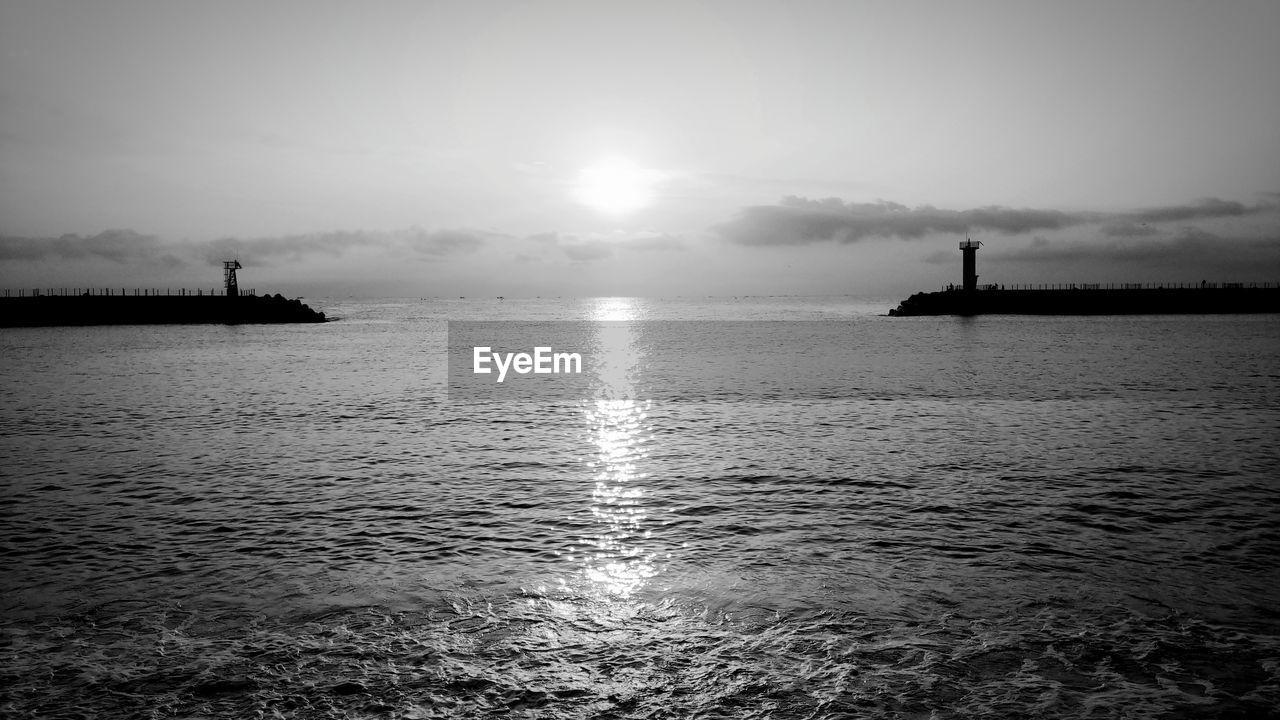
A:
{"x": 615, "y": 186}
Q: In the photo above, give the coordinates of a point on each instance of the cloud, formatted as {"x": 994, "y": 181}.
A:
{"x": 1190, "y": 250}
{"x": 1129, "y": 228}
{"x": 575, "y": 247}
{"x": 119, "y": 246}
{"x": 444, "y": 242}
{"x": 126, "y": 247}
{"x": 264, "y": 250}
{"x": 546, "y": 238}
{"x": 588, "y": 251}
{"x": 1207, "y": 208}
{"x": 801, "y": 221}
{"x": 598, "y": 246}
{"x": 653, "y": 241}
{"x": 1190, "y": 243}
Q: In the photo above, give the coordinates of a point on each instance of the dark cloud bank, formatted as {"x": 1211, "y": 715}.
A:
{"x": 416, "y": 241}
{"x": 1189, "y": 252}
{"x": 128, "y": 246}
{"x": 120, "y": 246}
{"x": 800, "y": 221}
{"x": 1164, "y": 240}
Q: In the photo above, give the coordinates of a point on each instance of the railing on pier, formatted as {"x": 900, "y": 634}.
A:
{"x": 120, "y": 292}
{"x": 1124, "y": 286}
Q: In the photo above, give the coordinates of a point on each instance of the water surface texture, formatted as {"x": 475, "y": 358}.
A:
{"x": 944, "y": 517}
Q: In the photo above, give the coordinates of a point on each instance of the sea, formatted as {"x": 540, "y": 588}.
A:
{"x": 779, "y": 507}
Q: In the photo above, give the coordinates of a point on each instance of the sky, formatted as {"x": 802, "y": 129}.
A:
{"x": 439, "y": 148}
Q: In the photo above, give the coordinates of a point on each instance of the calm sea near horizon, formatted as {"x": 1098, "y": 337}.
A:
{"x": 998, "y": 516}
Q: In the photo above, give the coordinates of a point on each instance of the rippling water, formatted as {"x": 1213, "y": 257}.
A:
{"x": 983, "y": 517}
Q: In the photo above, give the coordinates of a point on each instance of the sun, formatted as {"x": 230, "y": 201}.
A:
{"x": 616, "y": 186}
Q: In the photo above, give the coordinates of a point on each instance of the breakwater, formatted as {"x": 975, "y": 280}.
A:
{"x": 151, "y": 308}
{"x": 1198, "y": 299}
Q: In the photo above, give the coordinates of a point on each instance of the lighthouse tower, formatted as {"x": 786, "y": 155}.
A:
{"x": 229, "y": 269}
{"x": 970, "y": 250}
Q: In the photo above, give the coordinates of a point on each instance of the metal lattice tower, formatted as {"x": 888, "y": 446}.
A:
{"x": 229, "y": 268}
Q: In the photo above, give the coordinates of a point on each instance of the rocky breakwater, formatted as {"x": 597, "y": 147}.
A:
{"x": 87, "y": 309}
{"x": 1227, "y": 298}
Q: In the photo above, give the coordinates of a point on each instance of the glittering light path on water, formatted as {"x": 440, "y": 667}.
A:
{"x": 615, "y": 559}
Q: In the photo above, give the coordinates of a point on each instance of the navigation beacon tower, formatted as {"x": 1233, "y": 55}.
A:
{"x": 970, "y": 250}
{"x": 229, "y": 268}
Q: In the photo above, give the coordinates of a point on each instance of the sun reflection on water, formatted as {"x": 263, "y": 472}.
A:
{"x": 617, "y": 559}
